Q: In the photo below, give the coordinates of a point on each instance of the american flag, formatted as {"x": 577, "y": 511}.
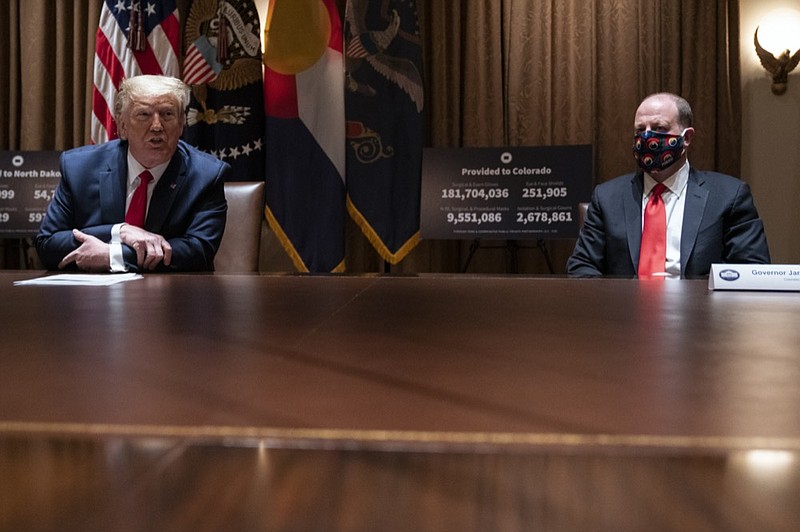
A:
{"x": 134, "y": 37}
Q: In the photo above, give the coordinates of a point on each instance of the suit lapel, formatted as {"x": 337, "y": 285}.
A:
{"x": 113, "y": 185}
{"x": 165, "y": 193}
{"x": 633, "y": 217}
{"x": 694, "y": 207}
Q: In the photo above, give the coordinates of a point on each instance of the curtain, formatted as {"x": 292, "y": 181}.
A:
{"x": 45, "y": 84}
{"x": 545, "y": 72}
{"x": 45, "y": 65}
{"x": 497, "y": 72}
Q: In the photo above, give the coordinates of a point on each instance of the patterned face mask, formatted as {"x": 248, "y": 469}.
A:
{"x": 654, "y": 150}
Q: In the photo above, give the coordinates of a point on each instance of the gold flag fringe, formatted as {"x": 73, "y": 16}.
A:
{"x": 375, "y": 239}
{"x": 287, "y": 245}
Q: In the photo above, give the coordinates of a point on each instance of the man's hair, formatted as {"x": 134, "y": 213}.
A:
{"x": 149, "y": 85}
{"x": 685, "y": 115}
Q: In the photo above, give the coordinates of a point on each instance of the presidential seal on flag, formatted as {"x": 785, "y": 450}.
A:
{"x": 222, "y": 64}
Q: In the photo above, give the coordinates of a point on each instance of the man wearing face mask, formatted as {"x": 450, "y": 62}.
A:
{"x": 705, "y": 217}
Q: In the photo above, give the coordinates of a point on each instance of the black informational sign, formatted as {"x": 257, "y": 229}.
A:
{"x": 28, "y": 180}
{"x": 504, "y": 193}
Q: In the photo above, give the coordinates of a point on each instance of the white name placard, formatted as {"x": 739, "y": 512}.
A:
{"x": 754, "y": 277}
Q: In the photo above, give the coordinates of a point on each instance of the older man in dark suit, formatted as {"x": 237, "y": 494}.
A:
{"x": 147, "y": 202}
{"x": 710, "y": 217}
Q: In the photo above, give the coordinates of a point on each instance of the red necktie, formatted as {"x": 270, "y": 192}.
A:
{"x": 653, "y": 253}
{"x": 138, "y": 207}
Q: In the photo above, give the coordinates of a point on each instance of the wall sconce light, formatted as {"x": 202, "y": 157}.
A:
{"x": 780, "y": 30}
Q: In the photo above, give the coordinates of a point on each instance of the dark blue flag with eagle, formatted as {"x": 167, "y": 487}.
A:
{"x": 222, "y": 64}
{"x": 385, "y": 127}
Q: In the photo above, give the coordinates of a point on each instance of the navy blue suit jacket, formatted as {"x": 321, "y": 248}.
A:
{"x": 720, "y": 225}
{"x": 187, "y": 208}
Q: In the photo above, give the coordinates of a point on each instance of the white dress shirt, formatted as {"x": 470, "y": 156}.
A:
{"x": 674, "y": 200}
{"x": 116, "y": 260}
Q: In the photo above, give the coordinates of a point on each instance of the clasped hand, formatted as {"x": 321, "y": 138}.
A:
{"x": 151, "y": 248}
{"x": 93, "y": 254}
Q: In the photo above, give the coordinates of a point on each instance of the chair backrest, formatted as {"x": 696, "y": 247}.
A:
{"x": 582, "y": 208}
{"x": 239, "y": 250}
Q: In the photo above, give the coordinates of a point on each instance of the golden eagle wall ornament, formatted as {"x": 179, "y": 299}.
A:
{"x": 779, "y": 67}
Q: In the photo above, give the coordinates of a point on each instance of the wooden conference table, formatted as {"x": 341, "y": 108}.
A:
{"x": 248, "y": 402}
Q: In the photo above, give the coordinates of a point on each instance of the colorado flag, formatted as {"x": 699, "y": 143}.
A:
{"x": 304, "y": 144}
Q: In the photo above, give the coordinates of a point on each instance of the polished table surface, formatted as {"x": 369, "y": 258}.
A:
{"x": 658, "y": 384}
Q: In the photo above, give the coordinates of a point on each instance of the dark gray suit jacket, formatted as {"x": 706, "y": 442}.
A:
{"x": 188, "y": 206}
{"x": 720, "y": 225}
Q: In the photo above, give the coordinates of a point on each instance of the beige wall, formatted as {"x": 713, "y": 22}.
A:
{"x": 771, "y": 139}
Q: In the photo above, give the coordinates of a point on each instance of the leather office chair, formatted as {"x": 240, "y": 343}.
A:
{"x": 239, "y": 250}
{"x": 582, "y": 208}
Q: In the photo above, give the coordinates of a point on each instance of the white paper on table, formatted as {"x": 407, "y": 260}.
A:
{"x": 79, "y": 279}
